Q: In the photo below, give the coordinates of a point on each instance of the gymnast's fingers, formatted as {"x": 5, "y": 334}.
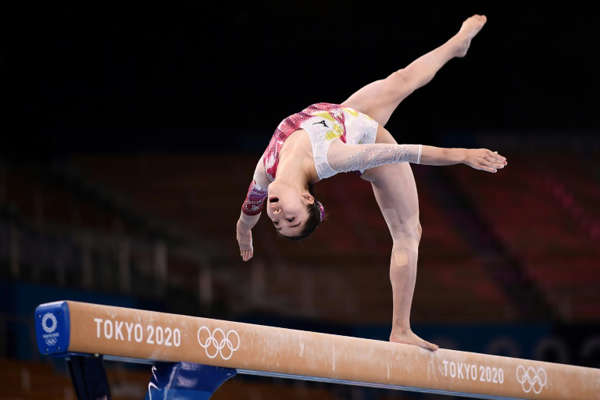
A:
{"x": 246, "y": 255}
{"x": 485, "y": 166}
{"x": 493, "y": 155}
{"x": 495, "y": 159}
{"x": 494, "y": 163}
{"x": 499, "y": 156}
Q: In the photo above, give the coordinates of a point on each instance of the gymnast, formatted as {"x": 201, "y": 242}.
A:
{"x": 325, "y": 139}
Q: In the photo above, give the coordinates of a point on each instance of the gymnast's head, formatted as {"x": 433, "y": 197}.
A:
{"x": 295, "y": 213}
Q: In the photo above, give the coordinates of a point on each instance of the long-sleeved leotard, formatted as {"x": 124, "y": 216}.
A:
{"x": 342, "y": 140}
{"x": 349, "y": 157}
{"x": 267, "y": 166}
{"x": 257, "y": 192}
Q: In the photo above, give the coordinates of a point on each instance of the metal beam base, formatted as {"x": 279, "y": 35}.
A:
{"x": 186, "y": 381}
{"x": 88, "y": 377}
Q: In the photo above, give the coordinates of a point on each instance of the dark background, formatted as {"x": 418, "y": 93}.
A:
{"x": 122, "y": 121}
{"x": 121, "y": 77}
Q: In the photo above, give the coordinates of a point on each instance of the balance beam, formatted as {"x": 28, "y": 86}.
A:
{"x": 69, "y": 327}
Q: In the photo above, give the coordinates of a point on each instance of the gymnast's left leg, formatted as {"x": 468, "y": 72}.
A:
{"x": 379, "y": 99}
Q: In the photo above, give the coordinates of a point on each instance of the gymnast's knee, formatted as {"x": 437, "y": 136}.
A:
{"x": 406, "y": 248}
{"x": 403, "y": 260}
{"x": 400, "y": 257}
{"x": 400, "y": 77}
{"x": 408, "y": 233}
{"x": 418, "y": 231}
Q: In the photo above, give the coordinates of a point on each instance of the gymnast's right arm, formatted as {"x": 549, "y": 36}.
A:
{"x": 251, "y": 210}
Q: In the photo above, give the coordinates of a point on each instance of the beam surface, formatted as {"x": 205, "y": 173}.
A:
{"x": 73, "y": 327}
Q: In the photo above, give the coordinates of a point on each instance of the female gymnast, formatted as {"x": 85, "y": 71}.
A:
{"x": 325, "y": 139}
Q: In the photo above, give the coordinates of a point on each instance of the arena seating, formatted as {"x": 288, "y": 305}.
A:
{"x": 541, "y": 213}
{"x": 544, "y": 215}
{"x": 529, "y": 206}
{"x": 190, "y": 190}
{"x": 46, "y": 202}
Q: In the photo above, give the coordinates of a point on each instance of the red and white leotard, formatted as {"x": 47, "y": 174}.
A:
{"x": 350, "y": 135}
{"x": 324, "y": 122}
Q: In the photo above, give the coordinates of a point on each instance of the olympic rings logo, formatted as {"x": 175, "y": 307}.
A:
{"x": 532, "y": 379}
{"x": 51, "y": 341}
{"x": 218, "y": 342}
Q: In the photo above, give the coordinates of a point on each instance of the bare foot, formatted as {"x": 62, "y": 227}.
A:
{"x": 469, "y": 29}
{"x": 410, "y": 338}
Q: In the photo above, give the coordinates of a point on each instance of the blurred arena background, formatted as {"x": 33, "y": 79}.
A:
{"x": 131, "y": 133}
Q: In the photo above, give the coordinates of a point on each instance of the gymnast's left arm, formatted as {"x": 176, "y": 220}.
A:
{"x": 357, "y": 157}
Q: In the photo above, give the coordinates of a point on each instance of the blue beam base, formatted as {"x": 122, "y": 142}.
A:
{"x": 186, "y": 381}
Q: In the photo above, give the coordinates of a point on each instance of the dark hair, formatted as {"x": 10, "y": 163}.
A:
{"x": 314, "y": 217}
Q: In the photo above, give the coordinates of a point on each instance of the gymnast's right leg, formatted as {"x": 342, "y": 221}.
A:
{"x": 396, "y": 194}
{"x": 379, "y": 99}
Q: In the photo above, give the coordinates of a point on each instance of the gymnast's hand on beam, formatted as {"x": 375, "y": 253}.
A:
{"x": 244, "y": 238}
{"x": 407, "y": 336}
{"x": 484, "y": 160}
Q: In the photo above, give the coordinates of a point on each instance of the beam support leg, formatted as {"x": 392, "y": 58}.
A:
{"x": 88, "y": 377}
{"x": 183, "y": 380}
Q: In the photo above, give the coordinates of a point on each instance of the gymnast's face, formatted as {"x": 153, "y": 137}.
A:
{"x": 286, "y": 207}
